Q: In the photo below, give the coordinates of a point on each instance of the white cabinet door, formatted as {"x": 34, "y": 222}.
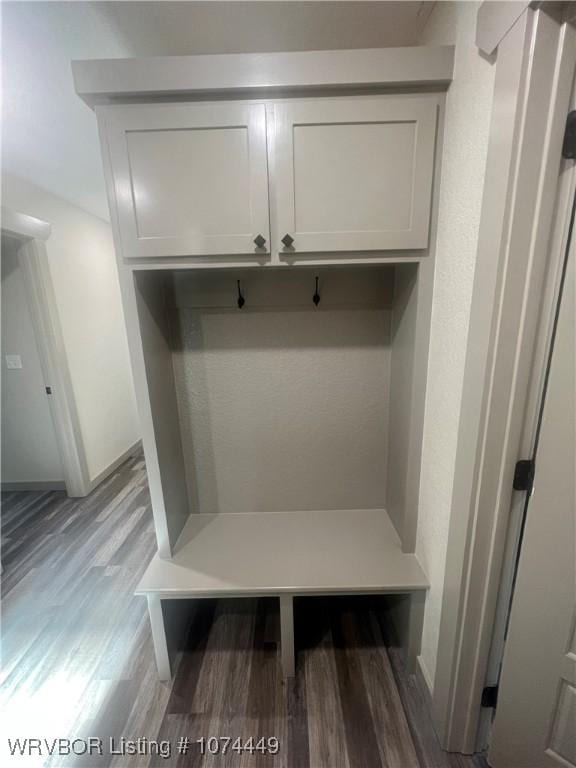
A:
{"x": 354, "y": 175}
{"x": 189, "y": 179}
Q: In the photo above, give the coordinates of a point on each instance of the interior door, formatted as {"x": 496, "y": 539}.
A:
{"x": 188, "y": 179}
{"x": 535, "y": 722}
{"x": 354, "y": 174}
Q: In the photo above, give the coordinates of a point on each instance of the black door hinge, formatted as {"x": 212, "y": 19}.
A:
{"x": 490, "y": 696}
{"x": 523, "y": 475}
{"x": 569, "y": 145}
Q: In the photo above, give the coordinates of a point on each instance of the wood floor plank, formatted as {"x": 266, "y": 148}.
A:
{"x": 297, "y": 746}
{"x": 266, "y": 708}
{"x": 227, "y": 647}
{"x": 361, "y": 739}
{"x": 186, "y": 681}
{"x": 326, "y": 737}
{"x": 392, "y": 731}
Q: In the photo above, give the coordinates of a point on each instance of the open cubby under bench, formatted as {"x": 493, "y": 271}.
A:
{"x": 283, "y": 554}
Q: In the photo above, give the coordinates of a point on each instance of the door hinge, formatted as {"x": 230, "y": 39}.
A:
{"x": 569, "y": 145}
{"x": 490, "y": 696}
{"x": 523, "y": 475}
{"x": 48, "y": 390}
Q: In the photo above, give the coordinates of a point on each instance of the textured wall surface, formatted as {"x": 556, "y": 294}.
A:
{"x": 283, "y": 410}
{"x": 468, "y": 112}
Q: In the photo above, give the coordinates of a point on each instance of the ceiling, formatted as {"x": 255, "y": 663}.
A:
{"x": 49, "y": 136}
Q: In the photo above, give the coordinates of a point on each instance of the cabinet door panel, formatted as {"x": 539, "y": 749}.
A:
{"x": 189, "y": 179}
{"x": 355, "y": 175}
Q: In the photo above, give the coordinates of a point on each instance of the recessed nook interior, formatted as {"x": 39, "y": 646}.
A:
{"x": 281, "y": 429}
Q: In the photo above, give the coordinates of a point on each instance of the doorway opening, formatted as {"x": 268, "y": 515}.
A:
{"x": 42, "y": 448}
{"x": 30, "y": 454}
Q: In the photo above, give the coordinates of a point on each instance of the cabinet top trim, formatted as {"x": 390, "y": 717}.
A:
{"x": 114, "y": 80}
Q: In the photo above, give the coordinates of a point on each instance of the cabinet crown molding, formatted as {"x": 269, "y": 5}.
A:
{"x": 261, "y": 74}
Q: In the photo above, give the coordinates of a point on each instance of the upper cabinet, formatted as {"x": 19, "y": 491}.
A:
{"x": 353, "y": 174}
{"x": 347, "y": 175}
{"x": 270, "y": 158}
{"x": 189, "y": 179}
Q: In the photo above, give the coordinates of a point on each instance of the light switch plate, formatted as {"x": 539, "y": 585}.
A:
{"x": 13, "y": 362}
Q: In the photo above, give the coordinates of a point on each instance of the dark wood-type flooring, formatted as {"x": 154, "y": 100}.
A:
{"x": 77, "y": 658}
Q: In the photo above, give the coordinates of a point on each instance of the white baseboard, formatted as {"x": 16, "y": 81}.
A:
{"x": 95, "y": 481}
{"x": 39, "y": 485}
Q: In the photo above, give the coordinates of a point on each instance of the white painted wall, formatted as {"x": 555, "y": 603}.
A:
{"x": 29, "y": 449}
{"x": 83, "y": 270}
{"x": 283, "y": 406}
{"x": 468, "y": 112}
{"x": 284, "y": 410}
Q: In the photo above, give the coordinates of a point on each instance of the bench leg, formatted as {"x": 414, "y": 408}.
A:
{"x": 159, "y": 637}
{"x": 287, "y": 635}
{"x": 417, "y": 602}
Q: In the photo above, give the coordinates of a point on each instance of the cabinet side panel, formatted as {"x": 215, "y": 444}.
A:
{"x": 168, "y": 524}
{"x": 171, "y": 499}
{"x": 403, "y": 334}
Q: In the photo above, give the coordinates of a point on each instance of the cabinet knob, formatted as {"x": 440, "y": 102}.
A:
{"x": 259, "y": 241}
{"x": 287, "y": 240}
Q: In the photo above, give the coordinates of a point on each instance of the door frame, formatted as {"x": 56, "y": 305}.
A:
{"x": 526, "y": 188}
{"x": 32, "y": 234}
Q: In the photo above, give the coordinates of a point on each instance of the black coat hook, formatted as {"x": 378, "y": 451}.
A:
{"x": 241, "y": 299}
{"x": 316, "y": 297}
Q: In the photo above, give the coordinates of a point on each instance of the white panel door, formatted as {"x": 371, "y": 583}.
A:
{"x": 354, "y": 174}
{"x": 189, "y": 180}
{"x": 535, "y": 723}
